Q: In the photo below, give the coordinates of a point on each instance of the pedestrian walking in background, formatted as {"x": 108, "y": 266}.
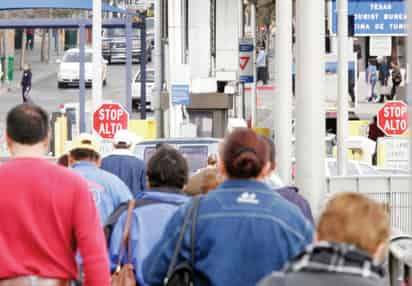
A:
{"x": 30, "y": 39}
{"x": 26, "y": 83}
{"x": 243, "y": 229}
{"x": 383, "y": 68}
{"x": 167, "y": 173}
{"x": 261, "y": 65}
{"x": 108, "y": 190}
{"x": 374, "y": 133}
{"x": 47, "y": 212}
{"x": 124, "y": 164}
{"x": 371, "y": 79}
{"x": 352, "y": 242}
{"x": 396, "y": 79}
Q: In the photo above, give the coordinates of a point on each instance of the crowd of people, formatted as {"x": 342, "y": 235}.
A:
{"x": 90, "y": 219}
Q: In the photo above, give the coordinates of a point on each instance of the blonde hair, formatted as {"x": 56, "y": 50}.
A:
{"x": 204, "y": 181}
{"x": 354, "y": 219}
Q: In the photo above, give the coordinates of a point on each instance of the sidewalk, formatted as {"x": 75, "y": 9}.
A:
{"x": 40, "y": 70}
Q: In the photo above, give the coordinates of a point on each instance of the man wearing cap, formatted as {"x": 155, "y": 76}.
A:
{"x": 108, "y": 190}
{"x": 124, "y": 164}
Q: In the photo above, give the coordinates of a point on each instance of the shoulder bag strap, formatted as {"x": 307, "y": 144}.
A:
{"x": 126, "y": 235}
{"x": 179, "y": 242}
{"x": 196, "y": 203}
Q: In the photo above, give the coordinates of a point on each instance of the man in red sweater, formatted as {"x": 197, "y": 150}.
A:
{"x": 46, "y": 211}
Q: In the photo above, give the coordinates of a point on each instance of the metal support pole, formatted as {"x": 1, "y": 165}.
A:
{"x": 283, "y": 96}
{"x": 49, "y": 46}
{"x": 240, "y": 112}
{"x": 129, "y": 63}
{"x": 409, "y": 87}
{"x": 253, "y": 110}
{"x": 310, "y": 100}
{"x": 157, "y": 58}
{"x": 82, "y": 83}
{"x": 97, "y": 54}
{"x": 342, "y": 128}
{"x": 143, "y": 59}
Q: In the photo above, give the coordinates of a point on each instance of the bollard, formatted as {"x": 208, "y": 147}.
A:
{"x": 10, "y": 67}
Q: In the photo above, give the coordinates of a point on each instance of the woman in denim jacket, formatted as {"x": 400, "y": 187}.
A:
{"x": 244, "y": 229}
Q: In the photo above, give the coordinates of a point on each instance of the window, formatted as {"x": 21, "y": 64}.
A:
{"x": 74, "y": 57}
{"x": 196, "y": 157}
{"x": 150, "y": 76}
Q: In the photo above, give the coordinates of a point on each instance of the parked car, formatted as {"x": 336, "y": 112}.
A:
{"x": 114, "y": 43}
{"x": 195, "y": 150}
{"x": 69, "y": 68}
{"x": 136, "y": 88}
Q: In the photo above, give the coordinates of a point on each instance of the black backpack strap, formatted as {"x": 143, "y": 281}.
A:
{"x": 188, "y": 217}
{"x": 196, "y": 203}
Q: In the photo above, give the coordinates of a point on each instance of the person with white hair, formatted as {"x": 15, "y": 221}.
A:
{"x": 124, "y": 164}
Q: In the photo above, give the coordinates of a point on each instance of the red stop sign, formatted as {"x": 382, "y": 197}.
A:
{"x": 110, "y": 118}
{"x": 393, "y": 118}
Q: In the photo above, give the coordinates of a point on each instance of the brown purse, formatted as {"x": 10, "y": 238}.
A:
{"x": 124, "y": 275}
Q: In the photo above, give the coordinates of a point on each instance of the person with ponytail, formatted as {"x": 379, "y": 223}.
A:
{"x": 244, "y": 230}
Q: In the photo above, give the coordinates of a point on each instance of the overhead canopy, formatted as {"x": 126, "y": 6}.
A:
{"x": 55, "y": 4}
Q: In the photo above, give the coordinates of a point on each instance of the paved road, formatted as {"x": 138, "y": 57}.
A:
{"x": 46, "y": 93}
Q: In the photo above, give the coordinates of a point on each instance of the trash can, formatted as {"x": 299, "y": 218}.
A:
{"x": 10, "y": 68}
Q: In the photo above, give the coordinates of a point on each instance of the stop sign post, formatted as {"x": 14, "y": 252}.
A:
{"x": 393, "y": 118}
{"x": 110, "y": 118}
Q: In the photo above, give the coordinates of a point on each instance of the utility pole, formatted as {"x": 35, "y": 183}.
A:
{"x": 158, "y": 67}
{"x": 283, "y": 97}
{"x": 409, "y": 87}
{"x": 97, "y": 54}
{"x": 253, "y": 109}
{"x": 240, "y": 100}
{"x": 310, "y": 100}
{"x": 343, "y": 107}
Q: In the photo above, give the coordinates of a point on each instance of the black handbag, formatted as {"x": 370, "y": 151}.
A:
{"x": 183, "y": 274}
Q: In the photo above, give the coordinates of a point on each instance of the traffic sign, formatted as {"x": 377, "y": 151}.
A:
{"x": 110, "y": 118}
{"x": 246, "y": 50}
{"x": 393, "y": 118}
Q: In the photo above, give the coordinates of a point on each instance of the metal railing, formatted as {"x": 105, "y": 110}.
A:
{"x": 395, "y": 192}
{"x": 400, "y": 259}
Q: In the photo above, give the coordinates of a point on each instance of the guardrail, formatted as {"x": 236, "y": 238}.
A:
{"x": 393, "y": 191}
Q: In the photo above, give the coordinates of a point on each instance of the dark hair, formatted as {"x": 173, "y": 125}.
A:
{"x": 122, "y": 146}
{"x": 244, "y": 154}
{"x": 167, "y": 168}
{"x": 27, "y": 124}
{"x": 63, "y": 160}
{"x": 84, "y": 154}
{"x": 272, "y": 150}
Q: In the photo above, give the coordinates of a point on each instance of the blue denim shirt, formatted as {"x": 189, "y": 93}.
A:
{"x": 108, "y": 190}
{"x": 147, "y": 225}
{"x": 244, "y": 232}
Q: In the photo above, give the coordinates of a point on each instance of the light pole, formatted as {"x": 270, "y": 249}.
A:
{"x": 253, "y": 109}
{"x": 310, "y": 100}
{"x": 157, "y": 58}
{"x": 409, "y": 88}
{"x": 342, "y": 128}
{"x": 283, "y": 96}
{"x": 97, "y": 54}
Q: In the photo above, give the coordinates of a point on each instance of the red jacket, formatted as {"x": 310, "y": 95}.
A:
{"x": 46, "y": 214}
